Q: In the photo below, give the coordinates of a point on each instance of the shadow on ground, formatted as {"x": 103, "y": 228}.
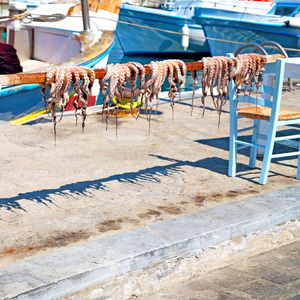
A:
{"x": 85, "y": 188}
{"x": 153, "y": 174}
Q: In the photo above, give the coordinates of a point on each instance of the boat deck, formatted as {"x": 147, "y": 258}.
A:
{"x": 90, "y": 51}
{"x": 32, "y": 65}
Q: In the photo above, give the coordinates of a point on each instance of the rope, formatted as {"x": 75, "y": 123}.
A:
{"x": 27, "y": 18}
{"x": 58, "y": 17}
{"x": 44, "y": 18}
{"x": 193, "y": 35}
{"x": 15, "y": 17}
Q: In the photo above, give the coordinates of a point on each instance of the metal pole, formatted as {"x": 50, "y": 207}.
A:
{"x": 85, "y": 15}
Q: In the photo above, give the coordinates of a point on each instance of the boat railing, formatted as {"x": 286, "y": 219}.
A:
{"x": 278, "y": 46}
{"x": 260, "y": 47}
{"x": 257, "y": 47}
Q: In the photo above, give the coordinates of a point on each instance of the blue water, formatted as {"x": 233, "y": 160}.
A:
{"x": 117, "y": 56}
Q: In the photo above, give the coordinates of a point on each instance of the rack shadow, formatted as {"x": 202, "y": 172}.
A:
{"x": 85, "y": 188}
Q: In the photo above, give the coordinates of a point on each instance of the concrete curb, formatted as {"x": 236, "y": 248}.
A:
{"x": 74, "y": 268}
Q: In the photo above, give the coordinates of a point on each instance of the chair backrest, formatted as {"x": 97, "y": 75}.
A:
{"x": 264, "y": 95}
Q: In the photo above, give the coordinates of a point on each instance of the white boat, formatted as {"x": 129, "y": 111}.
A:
{"x": 227, "y": 32}
{"x": 47, "y": 36}
{"x": 171, "y": 29}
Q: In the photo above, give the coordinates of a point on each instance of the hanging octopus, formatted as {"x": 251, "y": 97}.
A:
{"x": 119, "y": 75}
{"x": 87, "y": 78}
{"x": 124, "y": 75}
{"x": 204, "y": 80}
{"x": 183, "y": 71}
{"x": 248, "y": 71}
{"x": 219, "y": 70}
{"x": 196, "y": 81}
{"x": 133, "y": 82}
{"x": 55, "y": 96}
{"x": 59, "y": 81}
{"x": 176, "y": 70}
{"x": 103, "y": 89}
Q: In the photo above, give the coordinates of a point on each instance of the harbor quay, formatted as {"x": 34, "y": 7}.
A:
{"x": 118, "y": 211}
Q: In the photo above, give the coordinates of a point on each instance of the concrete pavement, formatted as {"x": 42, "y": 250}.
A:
{"x": 138, "y": 261}
{"x": 272, "y": 275}
{"x": 96, "y": 216}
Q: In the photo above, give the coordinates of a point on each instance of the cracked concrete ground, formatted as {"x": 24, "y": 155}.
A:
{"x": 92, "y": 184}
{"x": 271, "y": 275}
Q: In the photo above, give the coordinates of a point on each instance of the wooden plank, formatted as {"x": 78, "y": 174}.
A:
{"x": 30, "y": 78}
{"x": 272, "y": 58}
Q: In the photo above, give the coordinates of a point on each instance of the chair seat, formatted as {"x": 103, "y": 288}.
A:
{"x": 264, "y": 113}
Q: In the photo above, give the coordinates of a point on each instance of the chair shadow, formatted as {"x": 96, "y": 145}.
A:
{"x": 223, "y": 144}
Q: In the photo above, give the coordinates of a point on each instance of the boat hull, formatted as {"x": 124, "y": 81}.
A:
{"x": 23, "y": 102}
{"x": 138, "y": 40}
{"x": 237, "y": 31}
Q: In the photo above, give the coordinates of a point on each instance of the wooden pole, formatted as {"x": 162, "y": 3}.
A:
{"x": 31, "y": 78}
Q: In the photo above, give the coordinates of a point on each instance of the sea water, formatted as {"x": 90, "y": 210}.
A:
{"x": 117, "y": 56}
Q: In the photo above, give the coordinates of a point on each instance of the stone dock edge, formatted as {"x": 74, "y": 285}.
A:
{"x": 73, "y": 270}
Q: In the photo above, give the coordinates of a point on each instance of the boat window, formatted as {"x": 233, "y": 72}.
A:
{"x": 284, "y": 10}
{"x": 296, "y": 14}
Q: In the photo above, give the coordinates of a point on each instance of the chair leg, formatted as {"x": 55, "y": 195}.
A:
{"x": 253, "y": 150}
{"x": 232, "y": 151}
{"x": 268, "y": 154}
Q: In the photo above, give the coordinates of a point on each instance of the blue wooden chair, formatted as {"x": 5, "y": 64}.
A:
{"x": 262, "y": 109}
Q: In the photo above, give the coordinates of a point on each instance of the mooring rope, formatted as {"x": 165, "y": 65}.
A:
{"x": 43, "y": 18}
{"x": 26, "y": 17}
{"x": 59, "y": 17}
{"x": 191, "y": 35}
{"x": 14, "y": 17}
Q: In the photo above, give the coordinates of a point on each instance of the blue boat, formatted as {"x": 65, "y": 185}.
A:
{"x": 228, "y": 31}
{"x": 154, "y": 32}
{"x": 42, "y": 43}
{"x": 170, "y": 30}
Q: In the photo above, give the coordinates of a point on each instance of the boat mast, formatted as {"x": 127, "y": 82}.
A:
{"x": 85, "y": 16}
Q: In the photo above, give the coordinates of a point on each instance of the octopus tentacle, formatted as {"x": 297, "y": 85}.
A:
{"x": 86, "y": 92}
{"x": 92, "y": 77}
{"x": 154, "y": 86}
{"x": 219, "y": 67}
{"x": 59, "y": 81}
{"x": 173, "y": 88}
{"x": 132, "y": 81}
{"x": 211, "y": 78}
{"x": 154, "y": 73}
{"x": 204, "y": 80}
{"x": 44, "y": 87}
{"x": 66, "y": 87}
{"x": 183, "y": 71}
{"x": 196, "y": 81}
{"x": 113, "y": 85}
{"x": 161, "y": 79}
{"x": 50, "y": 75}
{"x": 141, "y": 87}
{"x": 227, "y": 65}
{"x": 103, "y": 89}
{"x": 85, "y": 82}
{"x": 75, "y": 85}
{"x": 124, "y": 75}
